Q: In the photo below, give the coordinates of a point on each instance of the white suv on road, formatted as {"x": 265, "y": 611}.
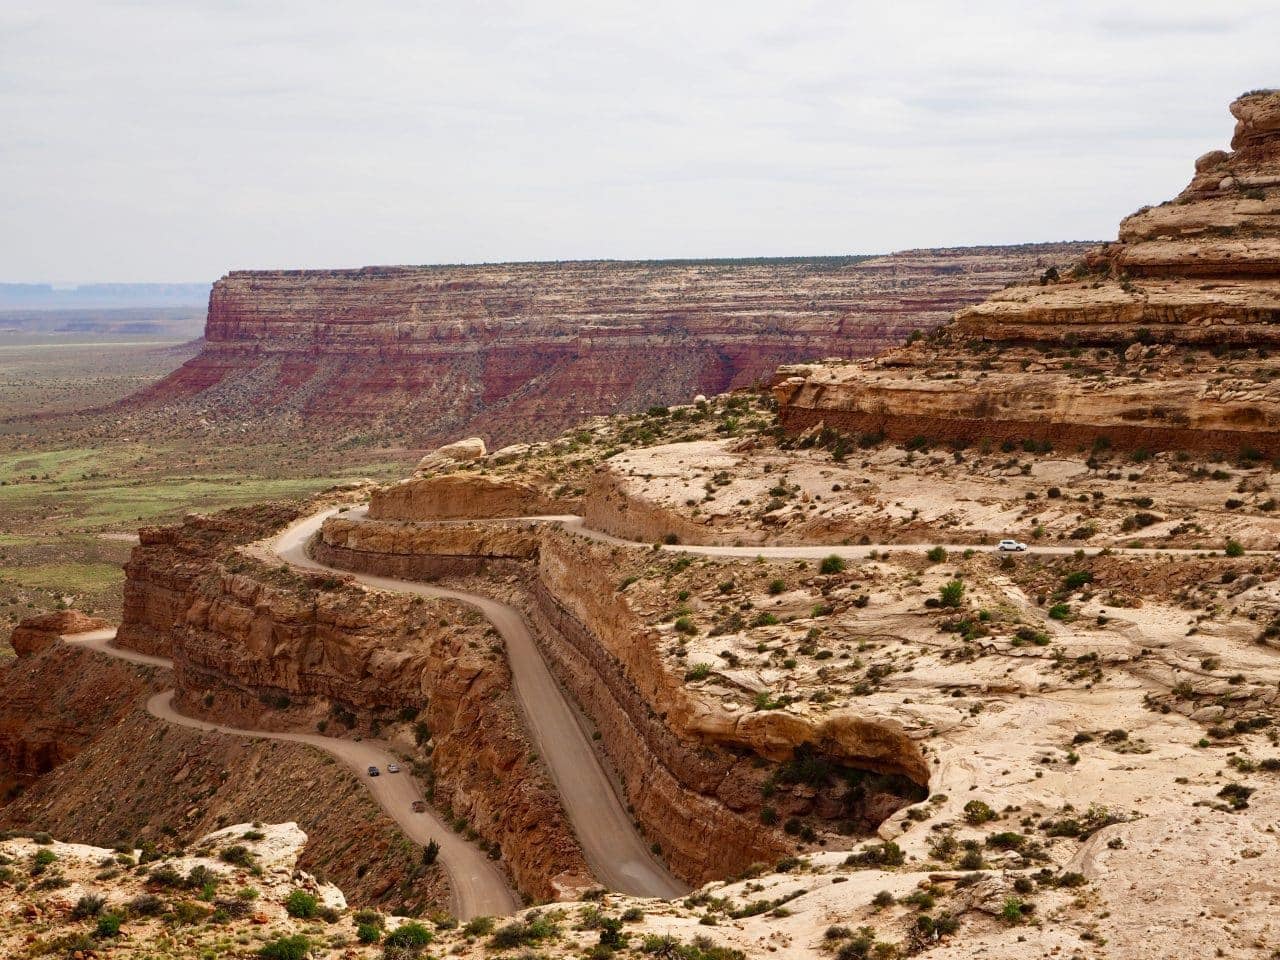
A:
{"x": 1010, "y": 545}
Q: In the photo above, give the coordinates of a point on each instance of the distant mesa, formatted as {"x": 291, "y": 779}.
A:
{"x": 1161, "y": 340}
{"x": 512, "y": 352}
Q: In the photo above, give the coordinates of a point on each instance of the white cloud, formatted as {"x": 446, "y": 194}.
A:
{"x": 176, "y": 140}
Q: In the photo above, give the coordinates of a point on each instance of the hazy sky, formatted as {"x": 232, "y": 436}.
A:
{"x": 175, "y": 140}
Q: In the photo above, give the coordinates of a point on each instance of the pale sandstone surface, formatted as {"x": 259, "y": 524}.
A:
{"x": 1161, "y": 340}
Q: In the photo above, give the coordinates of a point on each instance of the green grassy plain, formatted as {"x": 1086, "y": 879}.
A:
{"x": 71, "y": 490}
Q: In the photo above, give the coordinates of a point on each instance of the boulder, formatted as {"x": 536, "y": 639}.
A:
{"x": 36, "y": 633}
{"x": 460, "y": 451}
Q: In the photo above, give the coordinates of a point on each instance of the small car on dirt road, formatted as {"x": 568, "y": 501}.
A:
{"x": 373, "y": 771}
{"x": 1011, "y": 546}
{"x": 419, "y": 806}
{"x": 393, "y": 768}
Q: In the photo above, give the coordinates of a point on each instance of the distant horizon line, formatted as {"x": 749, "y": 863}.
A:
{"x": 67, "y": 286}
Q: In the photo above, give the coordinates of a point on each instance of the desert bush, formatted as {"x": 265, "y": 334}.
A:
{"x": 90, "y": 905}
{"x": 146, "y": 905}
{"x": 977, "y": 812}
{"x": 832, "y": 564}
{"x": 412, "y": 935}
{"x": 302, "y": 905}
{"x": 951, "y": 594}
{"x": 238, "y": 855}
{"x": 478, "y": 927}
{"x": 108, "y": 925}
{"x": 296, "y": 947}
{"x": 523, "y": 933}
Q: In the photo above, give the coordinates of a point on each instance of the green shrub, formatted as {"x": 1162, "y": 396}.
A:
{"x": 977, "y": 812}
{"x": 699, "y": 671}
{"x": 108, "y": 925}
{"x": 237, "y": 855}
{"x": 368, "y": 933}
{"x": 1235, "y": 548}
{"x": 146, "y": 905}
{"x": 410, "y": 935}
{"x": 937, "y": 554}
{"x": 430, "y": 853}
{"x": 1077, "y": 579}
{"x": 286, "y": 948}
{"x": 1059, "y": 611}
{"x": 302, "y": 905}
{"x": 951, "y": 594}
{"x": 832, "y": 564}
{"x": 478, "y": 927}
{"x": 523, "y": 933}
{"x": 1013, "y": 910}
{"x": 90, "y": 905}
{"x": 776, "y": 587}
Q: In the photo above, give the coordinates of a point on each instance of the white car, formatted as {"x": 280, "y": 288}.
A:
{"x": 1011, "y": 545}
{"x": 393, "y": 768}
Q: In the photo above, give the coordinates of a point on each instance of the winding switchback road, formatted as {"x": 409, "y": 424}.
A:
{"x": 614, "y": 849}
{"x": 478, "y": 886}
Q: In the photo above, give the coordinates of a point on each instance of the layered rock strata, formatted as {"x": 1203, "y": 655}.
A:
{"x": 92, "y": 763}
{"x": 259, "y": 646}
{"x": 512, "y": 351}
{"x": 448, "y": 497}
{"x": 692, "y": 773}
{"x": 1162, "y": 339}
{"x": 36, "y": 633}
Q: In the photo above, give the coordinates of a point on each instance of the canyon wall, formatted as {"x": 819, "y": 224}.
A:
{"x": 1161, "y": 340}
{"x": 80, "y": 756}
{"x": 692, "y": 773}
{"x": 258, "y": 645}
{"x": 513, "y": 351}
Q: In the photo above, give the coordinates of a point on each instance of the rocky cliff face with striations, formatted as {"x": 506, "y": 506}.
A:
{"x": 512, "y": 351}
{"x": 256, "y": 645}
{"x": 79, "y": 755}
{"x": 693, "y": 773}
{"x": 1163, "y": 339}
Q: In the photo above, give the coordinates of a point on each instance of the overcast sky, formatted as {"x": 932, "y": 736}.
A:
{"x": 176, "y": 140}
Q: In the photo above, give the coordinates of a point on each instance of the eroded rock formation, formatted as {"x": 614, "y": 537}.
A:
{"x": 1126, "y": 349}
{"x": 36, "y": 633}
{"x": 514, "y": 351}
{"x": 255, "y": 645}
{"x": 693, "y": 772}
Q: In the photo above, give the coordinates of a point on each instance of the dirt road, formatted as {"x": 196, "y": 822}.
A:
{"x": 616, "y": 852}
{"x": 479, "y": 888}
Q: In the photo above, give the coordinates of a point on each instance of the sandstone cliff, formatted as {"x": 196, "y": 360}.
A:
{"x": 512, "y": 351}
{"x": 1160, "y": 340}
{"x": 84, "y": 758}
{"x": 256, "y": 645}
{"x": 693, "y": 773}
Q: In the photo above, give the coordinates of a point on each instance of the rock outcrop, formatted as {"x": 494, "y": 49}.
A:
{"x": 36, "y": 633}
{"x": 1160, "y": 340}
{"x": 256, "y": 645}
{"x": 449, "y": 497}
{"x": 514, "y": 351}
{"x": 692, "y": 771}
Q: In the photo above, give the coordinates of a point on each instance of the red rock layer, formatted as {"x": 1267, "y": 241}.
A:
{"x": 99, "y": 768}
{"x": 512, "y": 351}
{"x": 692, "y": 774}
{"x": 259, "y": 646}
{"x": 36, "y": 633}
{"x": 1164, "y": 339}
